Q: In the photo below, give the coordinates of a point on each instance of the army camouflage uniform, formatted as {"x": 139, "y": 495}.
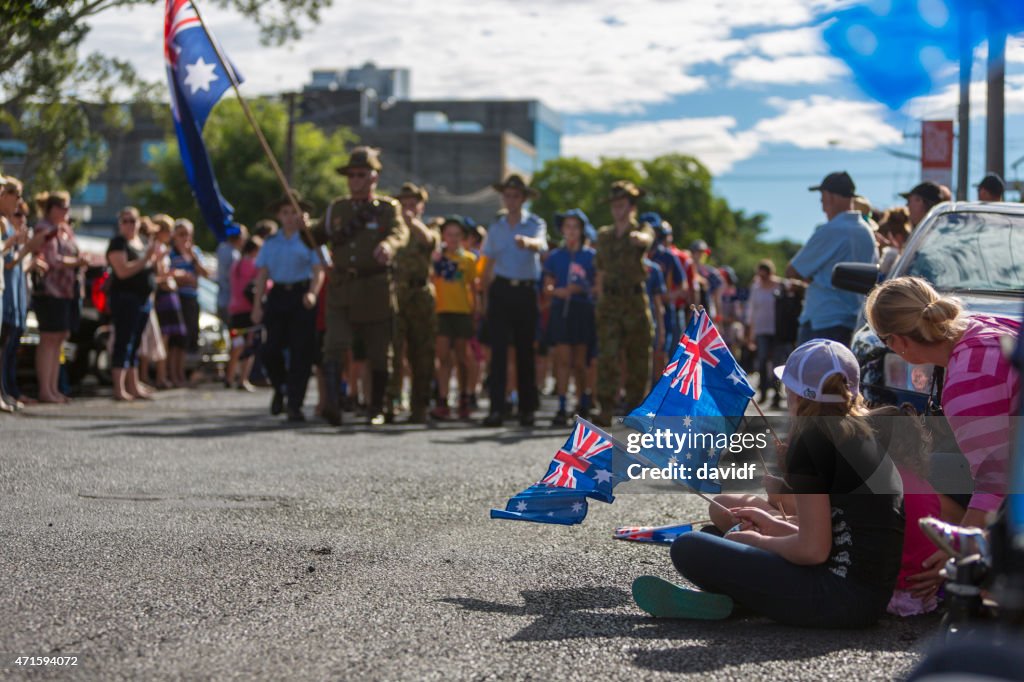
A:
{"x": 360, "y": 295}
{"x": 415, "y": 323}
{"x": 623, "y": 318}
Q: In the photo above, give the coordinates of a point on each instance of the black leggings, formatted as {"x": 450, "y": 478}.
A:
{"x": 767, "y": 584}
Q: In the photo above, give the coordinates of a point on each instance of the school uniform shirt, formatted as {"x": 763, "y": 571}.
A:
{"x": 573, "y": 267}
{"x": 287, "y": 259}
{"x": 510, "y": 261}
{"x": 453, "y": 276}
{"x": 865, "y": 494}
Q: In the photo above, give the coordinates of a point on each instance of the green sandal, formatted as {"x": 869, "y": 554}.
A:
{"x": 663, "y": 599}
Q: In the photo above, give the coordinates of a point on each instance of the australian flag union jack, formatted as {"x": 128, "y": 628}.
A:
{"x": 661, "y": 535}
{"x": 197, "y": 80}
{"x": 581, "y": 468}
{"x": 702, "y": 391}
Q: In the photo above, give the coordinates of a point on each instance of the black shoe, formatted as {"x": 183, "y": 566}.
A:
{"x": 277, "y": 403}
{"x": 777, "y": 402}
{"x": 296, "y": 416}
{"x": 560, "y": 419}
{"x": 332, "y": 415}
{"x": 492, "y": 420}
{"x": 526, "y": 419}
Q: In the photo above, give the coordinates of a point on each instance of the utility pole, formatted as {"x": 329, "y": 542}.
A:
{"x": 963, "y": 160}
{"x": 995, "y": 118}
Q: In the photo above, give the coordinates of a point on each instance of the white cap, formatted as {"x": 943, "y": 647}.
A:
{"x": 810, "y": 366}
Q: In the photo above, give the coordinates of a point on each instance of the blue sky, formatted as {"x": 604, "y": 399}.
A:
{"x": 746, "y": 86}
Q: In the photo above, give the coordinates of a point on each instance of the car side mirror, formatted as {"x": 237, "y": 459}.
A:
{"x": 860, "y": 278}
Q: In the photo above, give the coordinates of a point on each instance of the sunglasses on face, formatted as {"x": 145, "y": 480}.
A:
{"x": 19, "y": 214}
{"x": 129, "y": 220}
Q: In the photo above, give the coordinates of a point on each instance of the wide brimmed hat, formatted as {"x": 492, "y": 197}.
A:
{"x": 465, "y": 222}
{"x": 516, "y": 181}
{"x": 362, "y": 157}
{"x": 410, "y": 189}
{"x": 275, "y": 206}
{"x": 588, "y": 229}
{"x": 624, "y": 189}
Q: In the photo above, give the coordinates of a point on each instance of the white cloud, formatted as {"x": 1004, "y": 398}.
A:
{"x": 822, "y": 122}
{"x": 815, "y": 123}
{"x": 945, "y": 104}
{"x": 713, "y": 140}
{"x": 578, "y": 56}
{"x": 788, "y": 42}
{"x": 794, "y": 70}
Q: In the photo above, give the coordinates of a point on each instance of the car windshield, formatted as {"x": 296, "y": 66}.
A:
{"x": 971, "y": 251}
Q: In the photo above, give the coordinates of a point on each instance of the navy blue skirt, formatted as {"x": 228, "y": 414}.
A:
{"x": 575, "y": 326}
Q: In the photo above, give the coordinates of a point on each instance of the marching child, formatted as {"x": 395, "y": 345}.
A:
{"x": 455, "y": 283}
{"x": 837, "y": 569}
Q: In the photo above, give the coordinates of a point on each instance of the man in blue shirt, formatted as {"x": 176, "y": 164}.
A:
{"x": 830, "y": 313}
{"x": 513, "y": 247}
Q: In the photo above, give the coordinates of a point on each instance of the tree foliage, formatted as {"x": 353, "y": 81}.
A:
{"x": 245, "y": 177}
{"x": 679, "y": 188}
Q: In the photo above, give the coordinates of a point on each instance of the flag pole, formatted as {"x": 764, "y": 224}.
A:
{"x": 304, "y": 228}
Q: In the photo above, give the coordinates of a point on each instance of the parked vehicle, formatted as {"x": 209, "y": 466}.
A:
{"x": 971, "y": 250}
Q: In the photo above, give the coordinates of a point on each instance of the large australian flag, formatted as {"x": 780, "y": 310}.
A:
{"x": 703, "y": 393}
{"x": 197, "y": 80}
{"x": 582, "y": 468}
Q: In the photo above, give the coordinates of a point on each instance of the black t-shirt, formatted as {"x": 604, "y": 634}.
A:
{"x": 141, "y": 283}
{"x": 866, "y": 495}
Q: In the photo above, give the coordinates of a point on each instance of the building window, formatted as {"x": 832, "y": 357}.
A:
{"x": 151, "y": 149}
{"x": 94, "y": 194}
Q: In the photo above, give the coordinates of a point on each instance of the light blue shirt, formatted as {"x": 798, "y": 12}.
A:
{"x": 845, "y": 238}
{"x": 226, "y": 255}
{"x": 287, "y": 259}
{"x": 510, "y": 261}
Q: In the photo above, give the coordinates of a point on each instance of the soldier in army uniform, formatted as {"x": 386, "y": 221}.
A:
{"x": 416, "y": 322}
{"x": 364, "y": 232}
{"x": 623, "y": 312}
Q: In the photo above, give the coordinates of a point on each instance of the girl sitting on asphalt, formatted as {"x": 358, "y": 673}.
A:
{"x": 839, "y": 566}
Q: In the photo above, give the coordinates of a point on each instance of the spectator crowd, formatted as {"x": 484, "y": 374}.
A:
{"x": 394, "y": 312}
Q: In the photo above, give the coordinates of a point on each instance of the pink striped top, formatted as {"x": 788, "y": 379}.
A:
{"x": 981, "y": 392}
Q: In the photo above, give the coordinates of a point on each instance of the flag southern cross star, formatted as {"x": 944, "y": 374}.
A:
{"x": 199, "y": 75}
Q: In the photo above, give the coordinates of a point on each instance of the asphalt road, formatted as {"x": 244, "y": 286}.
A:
{"x": 197, "y": 537}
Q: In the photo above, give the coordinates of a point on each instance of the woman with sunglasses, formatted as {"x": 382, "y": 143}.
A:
{"x": 56, "y": 293}
{"x": 133, "y": 279}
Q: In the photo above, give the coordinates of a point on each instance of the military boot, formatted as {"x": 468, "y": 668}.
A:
{"x": 378, "y": 388}
{"x": 332, "y": 401}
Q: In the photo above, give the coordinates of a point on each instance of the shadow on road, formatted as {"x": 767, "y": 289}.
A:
{"x": 572, "y": 613}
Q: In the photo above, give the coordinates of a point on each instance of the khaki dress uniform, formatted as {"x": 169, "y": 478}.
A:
{"x": 623, "y": 318}
{"x": 361, "y": 294}
{"x": 415, "y": 323}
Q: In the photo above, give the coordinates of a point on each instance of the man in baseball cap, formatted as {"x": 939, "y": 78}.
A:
{"x": 921, "y": 199}
{"x": 991, "y": 188}
{"x": 830, "y": 313}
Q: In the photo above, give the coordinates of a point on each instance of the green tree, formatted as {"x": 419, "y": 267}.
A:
{"x": 679, "y": 188}
{"x": 245, "y": 177}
